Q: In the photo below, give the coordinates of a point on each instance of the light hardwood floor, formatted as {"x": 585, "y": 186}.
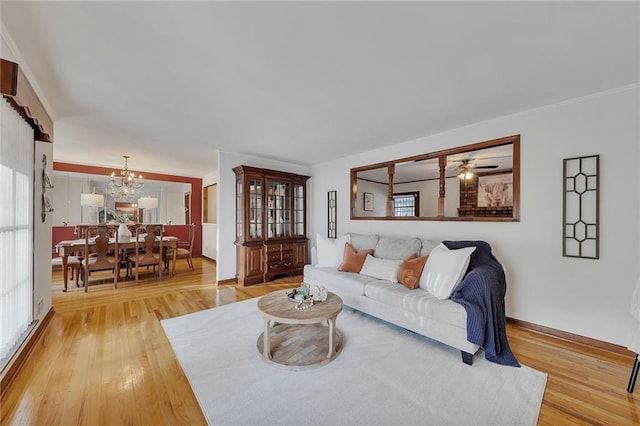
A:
{"x": 104, "y": 359}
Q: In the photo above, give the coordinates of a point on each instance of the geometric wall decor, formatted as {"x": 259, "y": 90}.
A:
{"x": 581, "y": 207}
{"x": 332, "y": 214}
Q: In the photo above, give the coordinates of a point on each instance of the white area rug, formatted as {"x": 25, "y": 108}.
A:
{"x": 384, "y": 376}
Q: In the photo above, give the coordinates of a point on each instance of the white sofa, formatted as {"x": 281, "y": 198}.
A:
{"x": 416, "y": 310}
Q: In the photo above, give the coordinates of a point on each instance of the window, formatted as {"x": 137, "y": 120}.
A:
{"x": 406, "y": 204}
{"x": 16, "y": 230}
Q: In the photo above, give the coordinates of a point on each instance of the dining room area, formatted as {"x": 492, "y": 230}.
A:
{"x": 115, "y": 227}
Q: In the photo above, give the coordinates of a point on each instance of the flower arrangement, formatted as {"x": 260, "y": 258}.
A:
{"x": 114, "y": 216}
{"x": 121, "y": 218}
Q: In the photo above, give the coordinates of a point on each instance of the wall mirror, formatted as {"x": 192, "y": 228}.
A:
{"x": 173, "y": 205}
{"x": 472, "y": 182}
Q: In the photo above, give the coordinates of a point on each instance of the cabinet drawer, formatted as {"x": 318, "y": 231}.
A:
{"x": 274, "y": 266}
{"x": 273, "y": 257}
{"x": 282, "y": 265}
{"x": 287, "y": 247}
{"x": 287, "y": 255}
{"x": 273, "y": 248}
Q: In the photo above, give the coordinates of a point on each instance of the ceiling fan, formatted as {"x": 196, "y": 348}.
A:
{"x": 467, "y": 166}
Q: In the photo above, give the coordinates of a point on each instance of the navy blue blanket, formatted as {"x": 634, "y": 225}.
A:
{"x": 482, "y": 292}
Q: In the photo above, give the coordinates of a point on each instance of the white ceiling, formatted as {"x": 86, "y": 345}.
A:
{"x": 169, "y": 83}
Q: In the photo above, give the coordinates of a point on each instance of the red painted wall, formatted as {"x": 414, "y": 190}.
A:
{"x": 180, "y": 231}
{"x": 62, "y": 233}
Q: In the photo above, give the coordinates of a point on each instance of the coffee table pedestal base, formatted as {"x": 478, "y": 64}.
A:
{"x": 300, "y": 347}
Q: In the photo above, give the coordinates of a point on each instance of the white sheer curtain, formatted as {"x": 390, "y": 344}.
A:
{"x": 16, "y": 230}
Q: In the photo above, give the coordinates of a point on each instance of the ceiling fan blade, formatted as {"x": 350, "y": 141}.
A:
{"x": 493, "y": 166}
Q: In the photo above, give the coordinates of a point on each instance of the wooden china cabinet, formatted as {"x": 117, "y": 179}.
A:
{"x": 271, "y": 229}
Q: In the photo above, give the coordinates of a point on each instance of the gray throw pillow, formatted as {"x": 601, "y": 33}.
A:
{"x": 363, "y": 242}
{"x": 397, "y": 248}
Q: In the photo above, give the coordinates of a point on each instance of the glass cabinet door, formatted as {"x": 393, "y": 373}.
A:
{"x": 239, "y": 210}
{"x": 278, "y": 209}
{"x": 298, "y": 210}
{"x": 255, "y": 208}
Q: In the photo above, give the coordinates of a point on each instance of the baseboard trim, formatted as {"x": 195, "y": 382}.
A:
{"x": 228, "y": 281}
{"x": 576, "y": 338}
{"x": 30, "y": 343}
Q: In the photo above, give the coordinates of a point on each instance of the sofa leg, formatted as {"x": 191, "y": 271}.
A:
{"x": 467, "y": 358}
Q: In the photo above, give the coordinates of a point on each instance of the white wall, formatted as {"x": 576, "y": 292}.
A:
{"x": 429, "y": 194}
{"x": 171, "y": 207}
{"x": 66, "y": 202}
{"x": 380, "y": 194}
{"x": 210, "y": 230}
{"x": 226, "y": 261}
{"x": 210, "y": 240}
{"x": 42, "y": 237}
{"x": 586, "y": 297}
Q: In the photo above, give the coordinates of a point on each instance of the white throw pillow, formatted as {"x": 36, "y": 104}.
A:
{"x": 444, "y": 270}
{"x": 384, "y": 269}
{"x": 330, "y": 251}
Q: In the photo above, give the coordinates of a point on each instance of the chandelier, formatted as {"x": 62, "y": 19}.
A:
{"x": 125, "y": 185}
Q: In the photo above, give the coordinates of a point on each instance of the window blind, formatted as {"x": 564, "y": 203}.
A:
{"x": 16, "y": 230}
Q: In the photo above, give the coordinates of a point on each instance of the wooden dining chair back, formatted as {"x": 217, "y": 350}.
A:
{"x": 184, "y": 250}
{"x": 148, "y": 248}
{"x": 101, "y": 252}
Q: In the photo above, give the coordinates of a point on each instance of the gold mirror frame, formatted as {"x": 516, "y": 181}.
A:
{"x": 447, "y": 162}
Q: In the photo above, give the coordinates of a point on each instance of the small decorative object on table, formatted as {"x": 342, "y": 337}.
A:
{"x": 124, "y": 233}
{"x": 319, "y": 293}
{"x": 305, "y": 304}
{"x": 295, "y": 295}
{"x": 305, "y": 297}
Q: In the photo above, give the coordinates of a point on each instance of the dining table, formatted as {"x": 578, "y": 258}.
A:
{"x": 67, "y": 247}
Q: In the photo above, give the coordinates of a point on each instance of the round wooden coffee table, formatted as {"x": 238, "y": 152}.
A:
{"x": 299, "y": 338}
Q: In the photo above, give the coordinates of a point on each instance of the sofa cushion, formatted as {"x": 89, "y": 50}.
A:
{"x": 397, "y": 248}
{"x": 444, "y": 270}
{"x": 411, "y": 270}
{"x": 330, "y": 251}
{"x": 427, "y": 246}
{"x": 353, "y": 261}
{"x": 341, "y": 283}
{"x": 384, "y": 269}
{"x": 362, "y": 241}
{"x": 419, "y": 301}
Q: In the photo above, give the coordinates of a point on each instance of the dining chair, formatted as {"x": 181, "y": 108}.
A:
{"x": 146, "y": 253}
{"x": 184, "y": 250}
{"x": 101, "y": 252}
{"x": 73, "y": 265}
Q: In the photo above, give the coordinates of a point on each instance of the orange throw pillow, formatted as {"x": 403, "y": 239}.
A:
{"x": 409, "y": 275}
{"x": 353, "y": 261}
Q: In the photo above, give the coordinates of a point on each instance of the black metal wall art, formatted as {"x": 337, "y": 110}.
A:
{"x": 581, "y": 207}
{"x": 331, "y": 214}
{"x": 47, "y": 183}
